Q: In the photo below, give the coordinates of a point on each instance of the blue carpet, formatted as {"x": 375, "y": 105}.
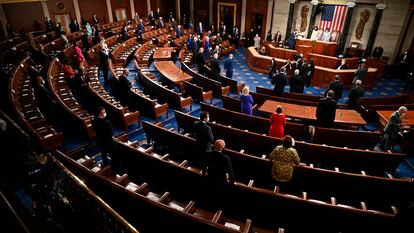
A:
{"x": 242, "y": 73}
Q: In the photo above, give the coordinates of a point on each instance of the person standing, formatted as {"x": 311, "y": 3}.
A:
{"x": 104, "y": 133}
{"x": 219, "y": 175}
{"x": 256, "y": 40}
{"x": 377, "y": 52}
{"x": 393, "y": 129}
{"x": 104, "y": 63}
{"x": 44, "y": 100}
{"x": 125, "y": 88}
{"x": 354, "y": 95}
{"x": 296, "y": 83}
{"x": 284, "y": 157}
{"x": 326, "y": 111}
{"x": 360, "y": 73}
{"x": 228, "y": 66}
{"x": 77, "y": 56}
{"x": 203, "y": 135}
{"x": 246, "y": 101}
{"x": 200, "y": 60}
{"x": 326, "y": 35}
{"x": 218, "y": 167}
{"x": 310, "y": 72}
{"x": 280, "y": 80}
{"x": 215, "y": 67}
{"x": 337, "y": 87}
{"x": 277, "y": 123}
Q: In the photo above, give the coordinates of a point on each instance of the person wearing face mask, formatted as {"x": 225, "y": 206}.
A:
{"x": 104, "y": 133}
{"x": 393, "y": 129}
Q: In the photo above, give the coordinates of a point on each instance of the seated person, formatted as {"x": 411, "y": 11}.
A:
{"x": 343, "y": 65}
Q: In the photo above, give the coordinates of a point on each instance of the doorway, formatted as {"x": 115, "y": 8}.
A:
{"x": 120, "y": 14}
{"x": 64, "y": 20}
{"x": 258, "y": 24}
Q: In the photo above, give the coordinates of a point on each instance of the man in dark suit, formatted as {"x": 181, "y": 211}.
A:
{"x": 124, "y": 87}
{"x": 161, "y": 23}
{"x": 215, "y": 67}
{"x": 310, "y": 72}
{"x": 393, "y": 128}
{"x": 151, "y": 18}
{"x": 228, "y": 66}
{"x": 179, "y": 32}
{"x": 204, "y": 137}
{"x": 280, "y": 80}
{"x": 218, "y": 167}
{"x": 44, "y": 98}
{"x": 326, "y": 111}
{"x": 337, "y": 87}
{"x": 377, "y": 52}
{"x": 200, "y": 61}
{"x": 296, "y": 83}
{"x": 103, "y": 129}
{"x": 104, "y": 63}
{"x": 354, "y": 95}
{"x": 343, "y": 65}
{"x": 84, "y": 39}
{"x": 360, "y": 73}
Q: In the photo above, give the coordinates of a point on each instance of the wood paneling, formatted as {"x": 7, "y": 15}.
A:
{"x": 254, "y": 7}
{"x": 68, "y": 8}
{"x": 185, "y": 9}
{"x": 88, "y": 7}
{"x": 141, "y": 7}
{"x": 115, "y": 4}
{"x": 165, "y": 7}
{"x": 21, "y": 15}
{"x": 238, "y": 11}
{"x": 201, "y": 10}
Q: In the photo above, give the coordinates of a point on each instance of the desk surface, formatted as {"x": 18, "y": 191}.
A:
{"x": 162, "y": 54}
{"x": 169, "y": 70}
{"x": 343, "y": 116}
{"x": 386, "y": 114}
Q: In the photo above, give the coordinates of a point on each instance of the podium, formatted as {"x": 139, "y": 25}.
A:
{"x": 317, "y": 46}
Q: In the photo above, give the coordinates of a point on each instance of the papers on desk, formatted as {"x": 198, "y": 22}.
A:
{"x": 232, "y": 226}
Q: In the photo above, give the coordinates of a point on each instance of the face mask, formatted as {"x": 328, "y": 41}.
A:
{"x": 104, "y": 115}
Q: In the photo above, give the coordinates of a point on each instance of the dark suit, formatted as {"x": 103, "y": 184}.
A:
{"x": 200, "y": 62}
{"x": 280, "y": 80}
{"x": 124, "y": 89}
{"x": 391, "y": 131}
{"x": 360, "y": 74}
{"x": 215, "y": 69}
{"x": 104, "y": 63}
{"x": 218, "y": 165}
{"x": 337, "y": 87}
{"x": 309, "y": 74}
{"x": 103, "y": 129}
{"x": 228, "y": 65}
{"x": 45, "y": 101}
{"x": 204, "y": 137}
{"x": 325, "y": 112}
{"x": 377, "y": 52}
{"x": 354, "y": 95}
{"x": 297, "y": 84}
{"x": 342, "y": 67}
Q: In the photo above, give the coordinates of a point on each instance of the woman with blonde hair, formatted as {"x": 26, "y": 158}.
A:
{"x": 277, "y": 123}
{"x": 246, "y": 101}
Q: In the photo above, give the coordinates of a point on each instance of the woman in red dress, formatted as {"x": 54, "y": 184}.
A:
{"x": 277, "y": 123}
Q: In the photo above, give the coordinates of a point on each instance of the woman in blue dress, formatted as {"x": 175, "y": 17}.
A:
{"x": 246, "y": 101}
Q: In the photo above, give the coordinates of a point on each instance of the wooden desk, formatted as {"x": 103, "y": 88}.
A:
{"x": 343, "y": 116}
{"x": 162, "y": 54}
{"x": 169, "y": 70}
{"x": 322, "y": 76}
{"x": 385, "y": 115}
{"x": 319, "y": 47}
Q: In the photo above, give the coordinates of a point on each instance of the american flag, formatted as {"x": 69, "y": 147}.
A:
{"x": 333, "y": 17}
